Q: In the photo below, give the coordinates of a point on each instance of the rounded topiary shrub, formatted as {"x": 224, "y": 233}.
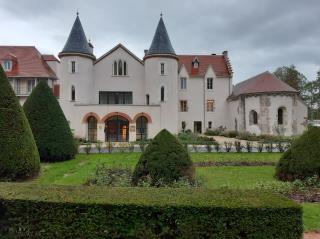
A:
{"x": 49, "y": 126}
{"x": 165, "y": 160}
{"x": 19, "y": 157}
{"x": 302, "y": 160}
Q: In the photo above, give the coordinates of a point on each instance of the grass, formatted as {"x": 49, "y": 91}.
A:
{"x": 76, "y": 172}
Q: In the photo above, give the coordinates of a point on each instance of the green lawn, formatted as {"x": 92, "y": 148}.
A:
{"x": 76, "y": 172}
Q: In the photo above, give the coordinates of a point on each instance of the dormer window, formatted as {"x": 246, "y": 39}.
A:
{"x": 7, "y": 65}
{"x": 195, "y": 63}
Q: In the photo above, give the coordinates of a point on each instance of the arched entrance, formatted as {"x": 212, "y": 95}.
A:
{"x": 116, "y": 129}
{"x": 141, "y": 128}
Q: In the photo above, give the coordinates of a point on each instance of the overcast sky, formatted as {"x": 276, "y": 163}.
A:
{"x": 260, "y": 35}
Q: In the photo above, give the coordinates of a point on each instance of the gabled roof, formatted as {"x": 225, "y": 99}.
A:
{"x": 161, "y": 43}
{"x": 29, "y": 62}
{"x": 114, "y": 49}
{"x": 219, "y": 63}
{"x": 265, "y": 82}
{"x": 77, "y": 41}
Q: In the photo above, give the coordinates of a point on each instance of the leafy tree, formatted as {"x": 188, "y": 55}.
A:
{"x": 49, "y": 126}
{"x": 165, "y": 160}
{"x": 19, "y": 157}
{"x": 302, "y": 160}
{"x": 313, "y": 97}
{"x": 291, "y": 76}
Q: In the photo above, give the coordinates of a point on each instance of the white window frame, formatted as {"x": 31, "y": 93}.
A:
{"x": 212, "y": 105}
{"x": 183, "y": 106}
{"x": 31, "y": 84}
{"x": 162, "y": 71}
{"x": 183, "y": 83}
{"x": 7, "y": 65}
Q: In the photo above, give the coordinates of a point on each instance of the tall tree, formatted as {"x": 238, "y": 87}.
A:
{"x": 291, "y": 76}
{"x": 19, "y": 157}
{"x": 312, "y": 98}
{"x": 49, "y": 125}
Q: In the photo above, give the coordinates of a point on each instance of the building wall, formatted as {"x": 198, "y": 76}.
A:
{"x": 267, "y": 106}
{"x": 104, "y": 80}
{"x": 197, "y": 95}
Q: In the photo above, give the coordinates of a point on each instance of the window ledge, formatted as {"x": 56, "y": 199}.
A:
{"x": 124, "y": 76}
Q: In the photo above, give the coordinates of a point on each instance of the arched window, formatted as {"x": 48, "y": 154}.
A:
{"x": 141, "y": 128}
{"x": 120, "y": 68}
{"x": 73, "y": 93}
{"x": 253, "y": 117}
{"x": 162, "y": 94}
{"x": 124, "y": 68}
{"x": 280, "y": 115}
{"x": 92, "y": 129}
{"x": 115, "y": 68}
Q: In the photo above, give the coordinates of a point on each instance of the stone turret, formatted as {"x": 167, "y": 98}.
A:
{"x": 161, "y": 72}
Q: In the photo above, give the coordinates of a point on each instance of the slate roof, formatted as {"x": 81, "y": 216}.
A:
{"x": 77, "y": 41}
{"x": 27, "y": 62}
{"x": 161, "y": 43}
{"x": 265, "y": 82}
{"x": 218, "y": 63}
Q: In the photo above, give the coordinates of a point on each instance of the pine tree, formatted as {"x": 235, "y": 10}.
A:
{"x": 19, "y": 157}
{"x": 49, "y": 126}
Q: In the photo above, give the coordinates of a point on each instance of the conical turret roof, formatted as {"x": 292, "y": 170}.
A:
{"x": 77, "y": 41}
{"x": 161, "y": 43}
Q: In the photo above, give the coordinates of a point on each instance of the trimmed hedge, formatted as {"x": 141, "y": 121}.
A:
{"x": 50, "y": 128}
{"x": 35, "y": 211}
{"x": 165, "y": 160}
{"x": 19, "y": 157}
{"x": 302, "y": 160}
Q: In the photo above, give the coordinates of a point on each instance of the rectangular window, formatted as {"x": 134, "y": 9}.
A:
{"x": 183, "y": 83}
{"x": 115, "y": 98}
{"x": 147, "y": 99}
{"x": 183, "y": 106}
{"x": 162, "y": 68}
{"x": 210, "y": 125}
{"x": 73, "y": 66}
{"x": 7, "y": 65}
{"x": 31, "y": 85}
{"x": 210, "y": 105}
{"x": 210, "y": 83}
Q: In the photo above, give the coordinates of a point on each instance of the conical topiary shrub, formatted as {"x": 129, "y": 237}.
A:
{"x": 19, "y": 157}
{"x": 302, "y": 160}
{"x": 165, "y": 160}
{"x": 49, "y": 125}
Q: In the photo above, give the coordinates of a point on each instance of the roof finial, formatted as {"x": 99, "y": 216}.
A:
{"x": 161, "y": 14}
{"x": 77, "y": 12}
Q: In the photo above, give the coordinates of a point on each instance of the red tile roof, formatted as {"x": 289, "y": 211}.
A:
{"x": 49, "y": 58}
{"x": 28, "y": 62}
{"x": 265, "y": 82}
{"x": 219, "y": 63}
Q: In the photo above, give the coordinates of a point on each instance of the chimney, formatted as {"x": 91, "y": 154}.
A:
{"x": 145, "y": 52}
{"x": 225, "y": 53}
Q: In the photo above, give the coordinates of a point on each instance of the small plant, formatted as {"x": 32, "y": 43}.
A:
{"x": 238, "y": 146}
{"x": 280, "y": 147}
{"x": 269, "y": 147}
{"x": 195, "y": 148}
{"x": 99, "y": 146}
{"x": 249, "y": 146}
{"x": 142, "y": 144}
{"x": 217, "y": 147}
{"x": 260, "y": 147}
{"x": 228, "y": 146}
{"x": 87, "y": 148}
{"x": 110, "y": 147}
{"x": 209, "y": 147}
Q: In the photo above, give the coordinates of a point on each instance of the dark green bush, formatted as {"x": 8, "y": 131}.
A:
{"x": 164, "y": 159}
{"x": 302, "y": 159}
{"x": 49, "y": 126}
{"x": 34, "y": 211}
{"x": 19, "y": 157}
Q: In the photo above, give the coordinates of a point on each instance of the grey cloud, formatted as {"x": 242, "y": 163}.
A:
{"x": 260, "y": 35}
